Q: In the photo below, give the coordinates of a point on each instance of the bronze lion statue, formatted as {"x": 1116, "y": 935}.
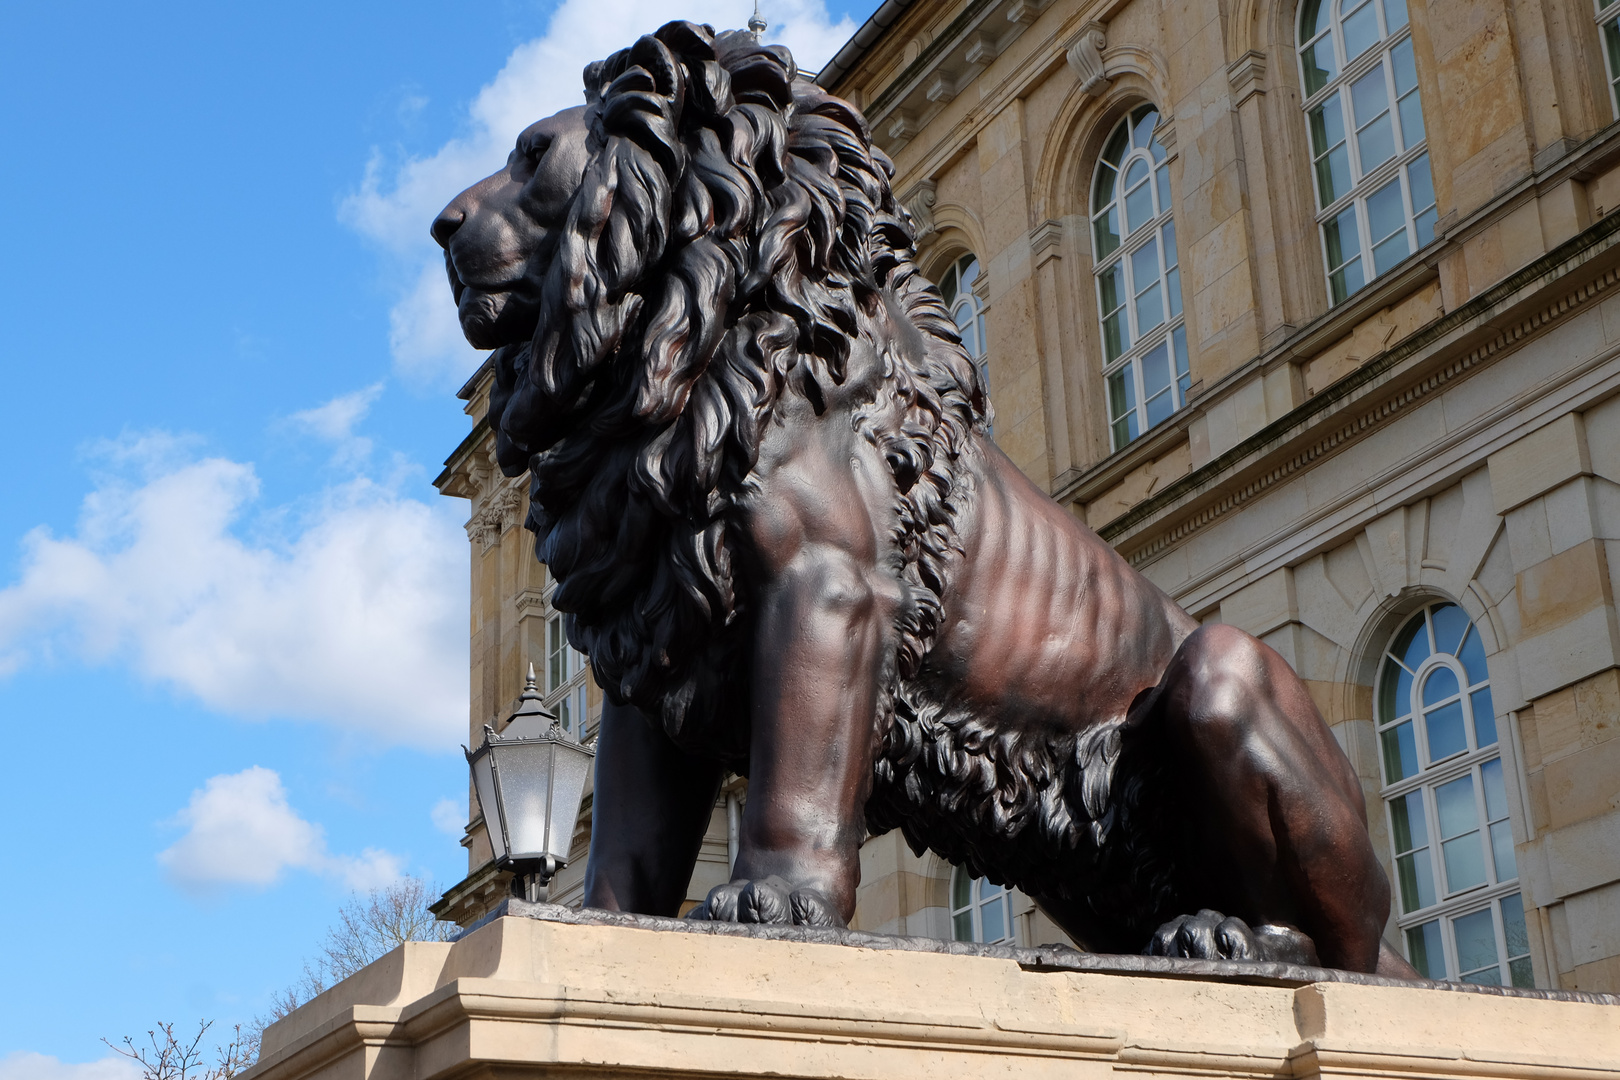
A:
{"x": 761, "y": 477}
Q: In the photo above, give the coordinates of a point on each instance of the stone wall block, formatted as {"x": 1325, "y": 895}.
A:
{"x": 1601, "y": 423}
{"x": 1262, "y": 605}
{"x": 1384, "y": 550}
{"x": 1584, "y": 856}
{"x": 1583, "y": 785}
{"x": 1539, "y": 462}
{"x": 1572, "y": 514}
{"x": 1577, "y": 718}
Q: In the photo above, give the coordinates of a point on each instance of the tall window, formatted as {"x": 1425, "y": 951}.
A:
{"x": 1374, "y": 192}
{"x": 1608, "y": 15}
{"x": 1138, "y": 280}
{"x": 956, "y": 286}
{"x": 1460, "y": 913}
{"x": 980, "y": 909}
{"x": 565, "y": 680}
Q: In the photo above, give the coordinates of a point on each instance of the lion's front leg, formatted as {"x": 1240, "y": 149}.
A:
{"x": 823, "y": 632}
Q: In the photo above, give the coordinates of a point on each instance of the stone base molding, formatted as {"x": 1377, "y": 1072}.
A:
{"x": 566, "y": 994}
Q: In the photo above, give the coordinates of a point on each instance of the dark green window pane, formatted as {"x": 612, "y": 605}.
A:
{"x": 1416, "y": 876}
{"x": 1522, "y": 974}
{"x": 1118, "y": 143}
{"x": 1400, "y": 752}
{"x": 1313, "y": 19}
{"x": 1343, "y": 243}
{"x": 1102, "y": 188}
{"x": 1106, "y": 228}
{"x": 1412, "y": 643}
{"x": 1425, "y": 951}
{"x": 961, "y": 889}
{"x": 1327, "y": 148}
{"x": 1406, "y": 819}
{"x": 962, "y": 926}
{"x": 1318, "y": 64}
{"x": 1484, "y": 718}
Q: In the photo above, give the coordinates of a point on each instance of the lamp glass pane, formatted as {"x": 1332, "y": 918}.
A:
{"x": 488, "y": 805}
{"x": 571, "y": 765}
{"x": 523, "y": 769}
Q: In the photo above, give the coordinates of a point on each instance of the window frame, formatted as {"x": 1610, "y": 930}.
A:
{"x": 974, "y": 907}
{"x": 1158, "y": 232}
{"x": 1363, "y": 185}
{"x": 959, "y": 297}
{"x": 1448, "y": 906}
{"x": 567, "y": 694}
{"x": 1607, "y": 14}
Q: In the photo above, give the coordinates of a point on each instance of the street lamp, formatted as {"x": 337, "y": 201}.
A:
{"x": 530, "y": 780}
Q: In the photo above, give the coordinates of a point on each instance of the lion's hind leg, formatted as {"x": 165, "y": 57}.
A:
{"x": 1271, "y": 819}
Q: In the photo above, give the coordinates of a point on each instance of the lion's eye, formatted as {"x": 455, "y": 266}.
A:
{"x": 534, "y": 149}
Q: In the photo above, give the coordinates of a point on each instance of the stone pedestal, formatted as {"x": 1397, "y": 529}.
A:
{"x": 547, "y": 992}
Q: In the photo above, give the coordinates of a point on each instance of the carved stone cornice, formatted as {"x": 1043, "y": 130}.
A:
{"x": 1247, "y": 74}
{"x": 1084, "y": 56}
{"x": 1046, "y": 242}
{"x": 1489, "y": 326}
{"x": 502, "y": 509}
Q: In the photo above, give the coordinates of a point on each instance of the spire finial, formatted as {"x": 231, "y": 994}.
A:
{"x": 528, "y": 684}
{"x": 756, "y": 23}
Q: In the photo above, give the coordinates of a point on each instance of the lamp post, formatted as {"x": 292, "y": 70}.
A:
{"x": 530, "y": 780}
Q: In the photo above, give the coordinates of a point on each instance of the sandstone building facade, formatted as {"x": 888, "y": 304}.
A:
{"x": 1310, "y": 309}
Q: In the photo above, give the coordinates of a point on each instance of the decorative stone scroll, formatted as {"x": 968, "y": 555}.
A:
{"x": 919, "y": 203}
{"x": 1085, "y": 57}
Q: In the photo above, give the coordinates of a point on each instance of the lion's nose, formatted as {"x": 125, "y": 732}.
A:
{"x": 446, "y": 224}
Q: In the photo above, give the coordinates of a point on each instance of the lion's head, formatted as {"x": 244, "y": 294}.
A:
{"x": 650, "y": 268}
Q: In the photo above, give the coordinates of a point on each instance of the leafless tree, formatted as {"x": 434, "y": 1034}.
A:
{"x": 367, "y": 927}
{"x": 171, "y": 1057}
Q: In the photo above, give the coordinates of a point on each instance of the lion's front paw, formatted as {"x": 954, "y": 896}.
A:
{"x": 770, "y": 900}
{"x": 1209, "y": 935}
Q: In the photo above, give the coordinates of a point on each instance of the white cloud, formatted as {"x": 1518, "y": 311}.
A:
{"x": 355, "y": 615}
{"x": 450, "y": 817}
{"x": 26, "y": 1065}
{"x": 396, "y": 204}
{"x": 240, "y": 830}
{"x": 335, "y": 421}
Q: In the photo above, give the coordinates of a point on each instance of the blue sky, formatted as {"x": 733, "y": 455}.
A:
{"x": 232, "y": 607}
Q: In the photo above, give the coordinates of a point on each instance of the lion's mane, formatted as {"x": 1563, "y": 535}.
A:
{"x": 734, "y": 223}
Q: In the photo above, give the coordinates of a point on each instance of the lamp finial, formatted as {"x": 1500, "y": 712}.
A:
{"x": 756, "y": 23}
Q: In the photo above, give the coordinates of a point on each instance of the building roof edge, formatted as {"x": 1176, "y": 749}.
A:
{"x": 855, "y": 48}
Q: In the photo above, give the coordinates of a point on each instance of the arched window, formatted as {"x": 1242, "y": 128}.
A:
{"x": 566, "y": 672}
{"x": 956, "y": 286}
{"x": 980, "y": 909}
{"x": 1608, "y": 16}
{"x": 1374, "y": 192}
{"x": 1138, "y": 280}
{"x": 1458, "y": 903}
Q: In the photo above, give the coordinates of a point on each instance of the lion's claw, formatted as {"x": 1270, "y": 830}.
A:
{"x": 1209, "y": 935}
{"x": 770, "y": 900}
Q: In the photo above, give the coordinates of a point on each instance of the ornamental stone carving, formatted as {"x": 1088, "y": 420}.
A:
{"x": 1085, "y": 58}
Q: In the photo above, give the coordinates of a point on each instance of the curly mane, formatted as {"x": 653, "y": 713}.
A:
{"x": 734, "y": 222}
